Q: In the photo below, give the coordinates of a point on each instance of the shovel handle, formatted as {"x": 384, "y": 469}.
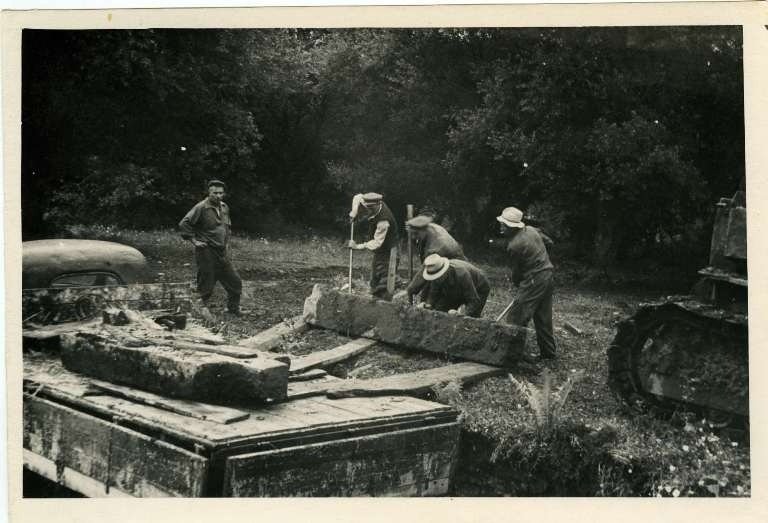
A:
{"x": 351, "y": 238}
{"x": 505, "y": 311}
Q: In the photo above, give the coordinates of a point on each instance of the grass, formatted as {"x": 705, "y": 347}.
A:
{"x": 610, "y": 453}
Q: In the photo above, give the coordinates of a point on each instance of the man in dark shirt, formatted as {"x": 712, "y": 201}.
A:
{"x": 453, "y": 284}
{"x": 430, "y": 238}
{"x": 532, "y": 272}
{"x": 207, "y": 225}
{"x": 382, "y": 237}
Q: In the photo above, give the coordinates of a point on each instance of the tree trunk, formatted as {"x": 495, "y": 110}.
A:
{"x": 607, "y": 235}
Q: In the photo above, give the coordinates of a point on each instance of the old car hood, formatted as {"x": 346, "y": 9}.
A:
{"x": 43, "y": 260}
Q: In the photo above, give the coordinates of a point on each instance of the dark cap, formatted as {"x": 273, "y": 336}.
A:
{"x": 419, "y": 222}
{"x": 372, "y": 197}
{"x": 216, "y": 183}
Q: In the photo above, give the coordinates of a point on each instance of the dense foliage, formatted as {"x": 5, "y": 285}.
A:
{"x": 618, "y": 139}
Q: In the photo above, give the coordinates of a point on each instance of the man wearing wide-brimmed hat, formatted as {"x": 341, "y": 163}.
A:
{"x": 453, "y": 284}
{"x": 207, "y": 225}
{"x": 532, "y": 273}
{"x": 382, "y": 237}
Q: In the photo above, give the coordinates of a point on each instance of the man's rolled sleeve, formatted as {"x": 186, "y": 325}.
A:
{"x": 378, "y": 237}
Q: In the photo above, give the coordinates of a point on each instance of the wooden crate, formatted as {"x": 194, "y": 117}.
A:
{"x": 99, "y": 458}
{"x": 410, "y": 462}
{"x": 389, "y": 445}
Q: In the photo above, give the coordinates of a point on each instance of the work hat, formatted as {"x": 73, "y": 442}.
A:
{"x": 428, "y": 211}
{"x": 512, "y": 217}
{"x": 371, "y": 198}
{"x": 435, "y": 266}
{"x": 419, "y": 222}
{"x": 217, "y": 183}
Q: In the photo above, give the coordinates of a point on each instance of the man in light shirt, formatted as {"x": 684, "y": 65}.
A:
{"x": 382, "y": 237}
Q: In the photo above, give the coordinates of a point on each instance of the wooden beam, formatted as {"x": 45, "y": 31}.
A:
{"x": 326, "y": 358}
{"x": 418, "y": 383}
{"x": 193, "y": 409}
{"x": 474, "y": 339}
{"x": 233, "y": 351}
{"x": 274, "y": 336}
{"x": 306, "y": 376}
{"x": 392, "y": 272}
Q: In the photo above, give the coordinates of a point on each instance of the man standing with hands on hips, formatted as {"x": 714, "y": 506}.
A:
{"x": 532, "y": 273}
{"x": 207, "y": 225}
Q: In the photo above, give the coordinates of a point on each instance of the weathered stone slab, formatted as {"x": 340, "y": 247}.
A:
{"x": 176, "y": 372}
{"x": 474, "y": 339}
{"x": 274, "y": 336}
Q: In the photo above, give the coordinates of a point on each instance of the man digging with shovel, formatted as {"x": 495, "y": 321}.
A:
{"x": 383, "y": 241}
{"x": 532, "y": 273}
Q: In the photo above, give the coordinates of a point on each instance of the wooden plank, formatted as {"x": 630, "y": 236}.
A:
{"x": 174, "y": 372}
{"x": 417, "y": 383}
{"x": 326, "y": 358}
{"x": 70, "y": 478}
{"x": 473, "y": 339}
{"x": 410, "y": 462}
{"x": 316, "y": 387}
{"x": 193, "y": 409}
{"x": 392, "y": 271}
{"x": 306, "y": 376}
{"x": 274, "y": 336}
{"x": 110, "y": 454}
{"x": 233, "y": 351}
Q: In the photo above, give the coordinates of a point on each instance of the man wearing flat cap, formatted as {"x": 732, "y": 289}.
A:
{"x": 382, "y": 237}
{"x": 207, "y": 225}
{"x": 431, "y": 238}
{"x": 454, "y": 284}
{"x": 532, "y": 273}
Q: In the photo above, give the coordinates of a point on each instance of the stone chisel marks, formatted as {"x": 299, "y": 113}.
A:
{"x": 274, "y": 336}
{"x": 327, "y": 358}
{"x": 474, "y": 339}
{"x": 176, "y": 372}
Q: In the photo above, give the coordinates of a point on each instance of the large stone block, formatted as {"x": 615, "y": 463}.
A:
{"x": 176, "y": 372}
{"x": 474, "y": 339}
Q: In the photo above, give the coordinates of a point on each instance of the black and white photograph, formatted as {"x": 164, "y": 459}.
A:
{"x": 466, "y": 261}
